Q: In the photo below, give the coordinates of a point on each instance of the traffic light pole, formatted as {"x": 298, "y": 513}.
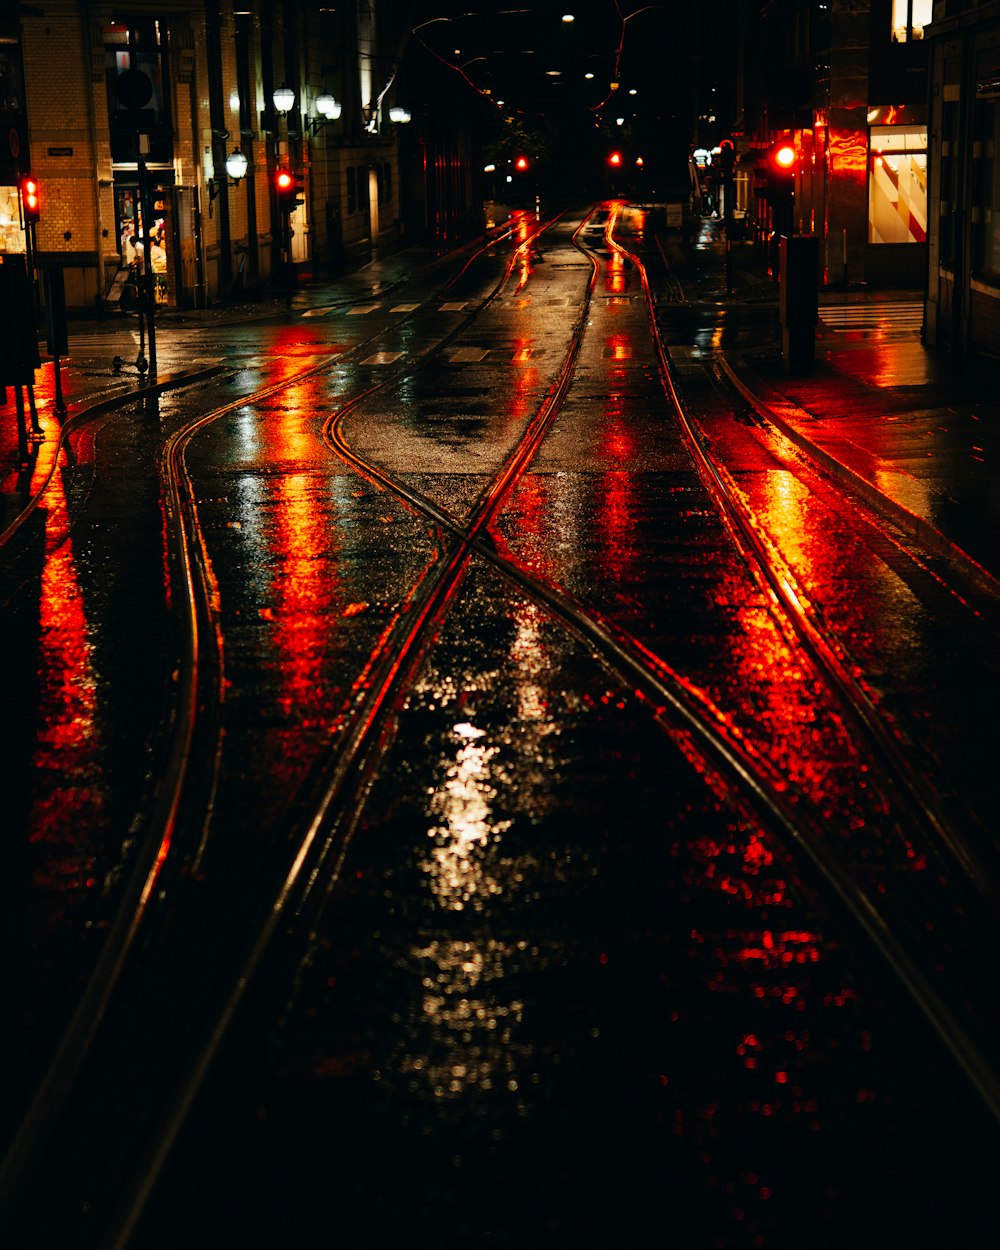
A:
{"x": 148, "y": 292}
{"x": 286, "y": 255}
{"x": 727, "y": 159}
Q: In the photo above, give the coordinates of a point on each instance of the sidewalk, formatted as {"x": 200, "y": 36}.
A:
{"x": 914, "y": 430}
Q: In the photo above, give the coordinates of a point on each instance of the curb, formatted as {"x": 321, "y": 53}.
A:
{"x": 768, "y": 403}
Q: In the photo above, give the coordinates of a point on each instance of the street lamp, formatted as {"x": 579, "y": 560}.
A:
{"x": 329, "y": 110}
{"x": 236, "y": 166}
{"x": 283, "y": 99}
{"x": 327, "y": 106}
{"x": 398, "y": 114}
{"x": 236, "y": 169}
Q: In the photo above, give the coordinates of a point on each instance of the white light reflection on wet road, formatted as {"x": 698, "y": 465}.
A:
{"x": 468, "y": 976}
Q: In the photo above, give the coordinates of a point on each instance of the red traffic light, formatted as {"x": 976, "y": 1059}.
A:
{"x": 615, "y": 158}
{"x": 288, "y": 186}
{"x": 783, "y": 157}
{"x": 521, "y": 163}
{"x": 31, "y": 201}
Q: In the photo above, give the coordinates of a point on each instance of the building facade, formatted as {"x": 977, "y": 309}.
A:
{"x": 129, "y": 115}
{"x": 963, "y": 290}
{"x": 846, "y": 81}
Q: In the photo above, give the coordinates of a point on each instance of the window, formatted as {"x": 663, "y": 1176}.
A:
{"x": 244, "y": 85}
{"x": 948, "y": 173}
{"x": 909, "y": 17}
{"x": 897, "y": 184}
{"x": 987, "y": 188}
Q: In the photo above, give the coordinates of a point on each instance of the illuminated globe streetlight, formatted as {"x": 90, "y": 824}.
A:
{"x": 283, "y": 99}
{"x": 328, "y": 107}
{"x": 236, "y": 165}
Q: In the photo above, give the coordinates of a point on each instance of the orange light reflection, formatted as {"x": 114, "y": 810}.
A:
{"x": 68, "y": 796}
{"x": 304, "y": 583}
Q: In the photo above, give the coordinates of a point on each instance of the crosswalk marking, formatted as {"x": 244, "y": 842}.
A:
{"x": 468, "y": 355}
{"x": 401, "y": 308}
{"x": 382, "y": 358}
{"x": 362, "y": 310}
{"x": 99, "y": 342}
{"x": 319, "y": 312}
{"x": 453, "y": 307}
{"x": 901, "y": 316}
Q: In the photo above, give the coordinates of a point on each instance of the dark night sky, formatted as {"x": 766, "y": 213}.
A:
{"x": 536, "y": 63}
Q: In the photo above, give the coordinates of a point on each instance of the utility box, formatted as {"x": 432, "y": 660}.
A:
{"x": 798, "y": 298}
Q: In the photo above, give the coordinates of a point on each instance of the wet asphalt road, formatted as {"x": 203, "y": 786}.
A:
{"x": 553, "y": 982}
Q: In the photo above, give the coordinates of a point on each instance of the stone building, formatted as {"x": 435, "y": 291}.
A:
{"x": 846, "y": 81}
{"x": 98, "y": 99}
{"x": 963, "y": 290}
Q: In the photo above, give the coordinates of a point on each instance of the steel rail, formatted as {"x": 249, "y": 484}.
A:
{"x": 774, "y": 798}
{"x": 77, "y": 1041}
{"x": 356, "y": 754}
{"x": 907, "y": 785}
{"x": 762, "y": 555}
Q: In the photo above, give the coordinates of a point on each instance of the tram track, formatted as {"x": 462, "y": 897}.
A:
{"x": 322, "y": 842}
{"x": 699, "y": 728}
{"x": 198, "y": 691}
{"x": 703, "y": 726}
{"x": 909, "y": 786}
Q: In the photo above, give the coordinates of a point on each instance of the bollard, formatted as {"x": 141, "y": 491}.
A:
{"x": 798, "y": 298}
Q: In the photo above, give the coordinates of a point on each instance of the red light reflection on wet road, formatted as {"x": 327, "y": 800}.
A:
{"x": 616, "y": 277}
{"x": 290, "y": 344}
{"x": 304, "y": 584}
{"x": 616, "y": 488}
{"x": 619, "y": 347}
{"x": 525, "y": 380}
{"x": 68, "y": 796}
{"x": 304, "y": 589}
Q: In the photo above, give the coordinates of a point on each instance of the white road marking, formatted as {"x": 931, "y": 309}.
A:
{"x": 382, "y": 358}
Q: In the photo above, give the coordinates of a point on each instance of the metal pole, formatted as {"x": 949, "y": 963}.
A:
{"x": 147, "y": 265}
{"x": 22, "y": 429}
{"x": 60, "y": 402}
{"x": 36, "y": 429}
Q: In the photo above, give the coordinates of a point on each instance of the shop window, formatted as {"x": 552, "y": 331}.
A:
{"x": 134, "y": 248}
{"x": 897, "y": 184}
{"x": 909, "y": 17}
